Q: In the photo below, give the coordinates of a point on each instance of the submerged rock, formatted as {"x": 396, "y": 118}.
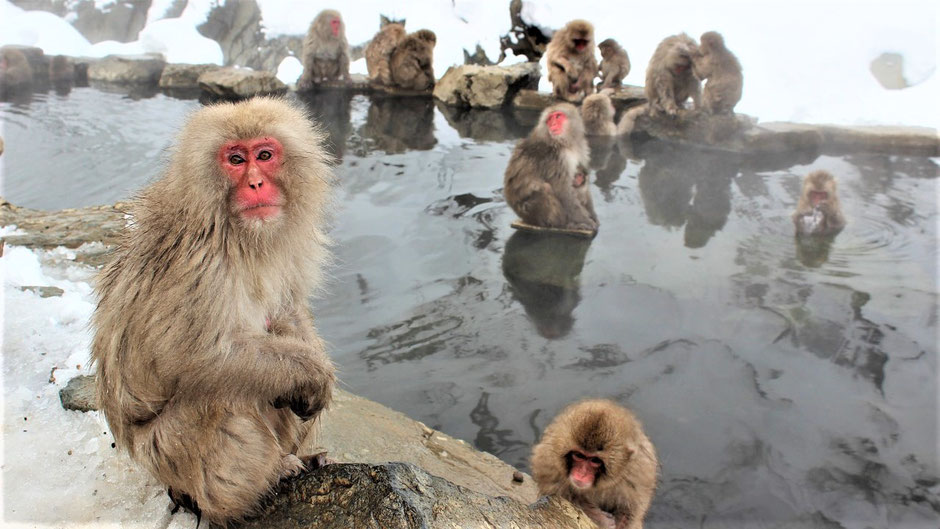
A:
{"x": 127, "y": 69}
{"x": 401, "y": 496}
{"x": 485, "y": 86}
{"x": 240, "y": 83}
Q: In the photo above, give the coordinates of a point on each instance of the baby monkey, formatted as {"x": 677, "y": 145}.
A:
{"x": 595, "y": 454}
{"x": 818, "y": 211}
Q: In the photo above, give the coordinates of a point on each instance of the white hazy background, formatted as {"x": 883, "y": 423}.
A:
{"x": 804, "y": 61}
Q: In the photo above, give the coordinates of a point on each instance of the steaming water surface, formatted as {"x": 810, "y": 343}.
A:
{"x": 784, "y": 384}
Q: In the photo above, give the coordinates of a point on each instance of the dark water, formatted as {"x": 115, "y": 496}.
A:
{"x": 784, "y": 385}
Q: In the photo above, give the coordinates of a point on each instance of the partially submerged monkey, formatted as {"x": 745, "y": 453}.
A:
{"x": 596, "y": 455}
{"x": 210, "y": 371}
{"x": 546, "y": 181}
{"x": 818, "y": 211}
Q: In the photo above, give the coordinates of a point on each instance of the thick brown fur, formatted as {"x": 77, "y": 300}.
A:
{"x": 597, "y": 111}
{"x": 615, "y": 64}
{"x": 669, "y": 78}
{"x": 717, "y": 64}
{"x": 412, "y": 61}
{"x": 61, "y": 70}
{"x": 833, "y": 219}
{"x": 15, "y": 71}
{"x": 622, "y": 492}
{"x": 325, "y": 56}
{"x": 541, "y": 182}
{"x": 572, "y": 71}
{"x": 379, "y": 52}
{"x": 194, "y": 382}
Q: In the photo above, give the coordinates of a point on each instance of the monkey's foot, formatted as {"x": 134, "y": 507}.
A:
{"x": 291, "y": 466}
{"x": 180, "y": 499}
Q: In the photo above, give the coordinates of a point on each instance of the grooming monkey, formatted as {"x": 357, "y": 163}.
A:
{"x": 595, "y": 454}
{"x": 615, "y": 64}
{"x": 412, "y": 61}
{"x": 722, "y": 70}
{"x": 210, "y": 371}
{"x": 572, "y": 66}
{"x": 669, "y": 78}
{"x": 379, "y": 52}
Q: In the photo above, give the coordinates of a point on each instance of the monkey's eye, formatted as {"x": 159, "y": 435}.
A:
{"x": 264, "y": 155}
{"x": 597, "y": 461}
{"x": 236, "y": 159}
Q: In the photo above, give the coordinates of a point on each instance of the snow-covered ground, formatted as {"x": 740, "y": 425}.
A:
{"x": 803, "y": 61}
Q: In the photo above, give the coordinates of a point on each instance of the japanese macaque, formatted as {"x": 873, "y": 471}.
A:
{"x": 210, "y": 371}
{"x": 412, "y": 61}
{"x": 627, "y": 122}
{"x": 326, "y": 53}
{"x": 379, "y": 52}
{"x": 595, "y": 454}
{"x": 669, "y": 78}
{"x": 61, "y": 70}
{"x": 615, "y": 64}
{"x": 572, "y": 66}
{"x": 546, "y": 182}
{"x": 716, "y": 63}
{"x": 15, "y": 71}
{"x": 597, "y": 111}
{"x": 818, "y": 211}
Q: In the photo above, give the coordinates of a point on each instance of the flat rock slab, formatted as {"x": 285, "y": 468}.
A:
{"x": 240, "y": 83}
{"x": 127, "y": 69}
{"x": 627, "y": 96}
{"x": 401, "y": 496}
{"x": 476, "y": 86}
{"x": 520, "y": 225}
{"x": 184, "y": 75}
{"x": 359, "y": 430}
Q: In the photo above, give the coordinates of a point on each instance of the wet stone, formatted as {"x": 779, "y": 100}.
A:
{"x": 240, "y": 83}
{"x": 79, "y": 394}
{"x": 127, "y": 69}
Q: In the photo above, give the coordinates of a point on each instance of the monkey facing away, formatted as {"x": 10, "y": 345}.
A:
{"x": 210, "y": 371}
{"x": 15, "y": 71}
{"x": 669, "y": 78}
{"x": 325, "y": 55}
{"x": 572, "y": 66}
{"x": 412, "y": 61}
{"x": 597, "y": 111}
{"x": 615, "y": 64}
{"x": 721, "y": 68}
{"x": 595, "y": 454}
{"x": 379, "y": 52}
{"x": 818, "y": 211}
{"x": 546, "y": 181}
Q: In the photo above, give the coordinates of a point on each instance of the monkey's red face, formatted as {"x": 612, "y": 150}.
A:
{"x": 580, "y": 44}
{"x": 817, "y": 197}
{"x": 556, "y": 122}
{"x": 334, "y": 25}
{"x": 252, "y": 166}
{"x": 584, "y": 469}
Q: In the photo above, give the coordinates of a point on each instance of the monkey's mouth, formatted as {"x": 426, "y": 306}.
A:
{"x": 261, "y": 211}
{"x": 580, "y": 44}
{"x": 817, "y": 197}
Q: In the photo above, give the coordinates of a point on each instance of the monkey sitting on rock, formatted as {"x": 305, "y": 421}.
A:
{"x": 714, "y": 62}
{"x": 546, "y": 181}
{"x": 210, "y": 371}
{"x": 325, "y": 54}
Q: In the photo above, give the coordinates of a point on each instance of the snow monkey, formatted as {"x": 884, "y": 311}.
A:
{"x": 379, "y": 52}
{"x": 210, "y": 371}
{"x": 717, "y": 64}
{"x": 412, "y": 61}
{"x": 615, "y": 64}
{"x": 597, "y": 111}
{"x": 669, "y": 79}
{"x": 595, "y": 454}
{"x": 818, "y": 211}
{"x": 571, "y": 63}
{"x": 546, "y": 182}
{"x": 15, "y": 71}
{"x": 326, "y": 53}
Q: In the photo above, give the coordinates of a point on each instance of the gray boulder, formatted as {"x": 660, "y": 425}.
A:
{"x": 240, "y": 83}
{"x": 485, "y": 86}
{"x": 127, "y": 69}
{"x": 184, "y": 75}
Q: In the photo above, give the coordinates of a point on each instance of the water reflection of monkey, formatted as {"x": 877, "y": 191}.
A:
{"x": 331, "y": 109}
{"x": 607, "y": 161}
{"x": 813, "y": 252}
{"x": 544, "y": 271}
{"x": 686, "y": 187}
{"x": 399, "y": 124}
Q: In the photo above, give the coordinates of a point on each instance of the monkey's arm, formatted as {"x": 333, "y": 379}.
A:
{"x": 344, "y": 63}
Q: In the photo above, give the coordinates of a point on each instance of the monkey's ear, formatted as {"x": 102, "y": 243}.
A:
{"x": 628, "y": 452}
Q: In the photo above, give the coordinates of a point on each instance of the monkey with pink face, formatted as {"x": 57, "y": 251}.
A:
{"x": 546, "y": 181}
